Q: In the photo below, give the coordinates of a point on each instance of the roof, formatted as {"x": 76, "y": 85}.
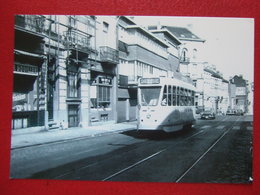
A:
{"x": 238, "y": 81}
{"x": 215, "y": 74}
{"x": 168, "y": 33}
{"x": 148, "y": 33}
{"x": 127, "y": 18}
{"x": 183, "y": 33}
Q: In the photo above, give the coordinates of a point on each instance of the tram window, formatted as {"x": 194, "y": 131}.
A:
{"x": 182, "y": 97}
{"x": 150, "y": 96}
{"x": 178, "y": 96}
{"x": 174, "y": 97}
{"x": 164, "y": 99}
{"x": 169, "y": 95}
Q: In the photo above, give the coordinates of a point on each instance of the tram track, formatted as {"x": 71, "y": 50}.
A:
{"x": 146, "y": 143}
{"x": 140, "y": 161}
{"x": 146, "y": 159}
{"x": 165, "y": 149}
{"x": 206, "y": 152}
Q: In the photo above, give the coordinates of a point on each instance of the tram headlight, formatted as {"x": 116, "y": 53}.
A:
{"x": 148, "y": 116}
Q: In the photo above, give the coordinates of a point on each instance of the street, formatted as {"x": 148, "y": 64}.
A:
{"x": 213, "y": 151}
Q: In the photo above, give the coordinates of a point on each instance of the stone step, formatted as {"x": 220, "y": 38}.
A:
{"x": 53, "y": 125}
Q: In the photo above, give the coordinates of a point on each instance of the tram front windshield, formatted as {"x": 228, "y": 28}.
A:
{"x": 150, "y": 96}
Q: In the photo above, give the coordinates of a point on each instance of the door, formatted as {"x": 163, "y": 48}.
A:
{"x": 73, "y": 115}
{"x": 121, "y": 115}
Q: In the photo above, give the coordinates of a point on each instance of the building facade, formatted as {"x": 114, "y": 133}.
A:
{"x": 77, "y": 71}
{"x": 142, "y": 53}
{"x": 30, "y": 67}
{"x": 65, "y": 71}
{"x": 238, "y": 93}
{"x": 215, "y": 88}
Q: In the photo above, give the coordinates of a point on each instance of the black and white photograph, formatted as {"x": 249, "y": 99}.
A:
{"x": 133, "y": 98}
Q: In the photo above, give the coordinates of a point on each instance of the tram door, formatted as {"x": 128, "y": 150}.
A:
{"x": 73, "y": 115}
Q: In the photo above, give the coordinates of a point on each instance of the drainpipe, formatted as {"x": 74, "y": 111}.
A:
{"x": 117, "y": 73}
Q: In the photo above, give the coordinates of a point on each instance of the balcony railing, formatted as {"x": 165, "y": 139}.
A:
{"x": 25, "y": 69}
{"x": 33, "y": 23}
{"x": 108, "y": 54}
{"x": 185, "y": 60}
{"x": 78, "y": 41}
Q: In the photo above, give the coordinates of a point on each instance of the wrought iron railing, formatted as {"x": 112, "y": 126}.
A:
{"x": 32, "y": 23}
{"x": 108, "y": 54}
{"x": 77, "y": 40}
{"x": 25, "y": 69}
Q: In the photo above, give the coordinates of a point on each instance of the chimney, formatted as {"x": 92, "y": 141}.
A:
{"x": 159, "y": 26}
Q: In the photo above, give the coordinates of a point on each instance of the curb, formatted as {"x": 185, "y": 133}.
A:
{"x": 75, "y": 138}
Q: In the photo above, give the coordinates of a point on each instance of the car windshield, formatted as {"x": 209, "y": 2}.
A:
{"x": 150, "y": 96}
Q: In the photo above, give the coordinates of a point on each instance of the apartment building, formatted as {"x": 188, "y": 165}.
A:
{"x": 238, "y": 93}
{"x": 64, "y": 71}
{"x": 30, "y": 67}
{"x": 142, "y": 53}
{"x": 215, "y": 88}
{"x": 77, "y": 71}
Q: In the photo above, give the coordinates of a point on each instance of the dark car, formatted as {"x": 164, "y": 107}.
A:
{"x": 239, "y": 112}
{"x": 207, "y": 115}
{"x": 231, "y": 112}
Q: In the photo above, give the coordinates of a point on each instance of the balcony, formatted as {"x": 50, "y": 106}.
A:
{"x": 30, "y": 23}
{"x": 185, "y": 60}
{"x": 25, "y": 69}
{"x": 109, "y": 55}
{"x": 75, "y": 40}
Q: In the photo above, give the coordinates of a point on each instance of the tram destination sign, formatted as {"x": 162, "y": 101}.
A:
{"x": 150, "y": 81}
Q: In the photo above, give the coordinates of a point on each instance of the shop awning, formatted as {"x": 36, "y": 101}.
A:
{"x": 19, "y": 52}
{"x": 123, "y": 93}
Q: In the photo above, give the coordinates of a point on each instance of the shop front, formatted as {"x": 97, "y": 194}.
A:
{"x": 101, "y": 98}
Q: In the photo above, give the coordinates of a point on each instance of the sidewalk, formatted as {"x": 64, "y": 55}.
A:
{"x": 20, "y": 140}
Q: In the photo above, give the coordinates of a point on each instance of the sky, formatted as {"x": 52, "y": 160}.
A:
{"x": 229, "y": 41}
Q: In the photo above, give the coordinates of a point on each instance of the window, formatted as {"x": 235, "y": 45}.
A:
{"x": 105, "y": 27}
{"x": 149, "y": 96}
{"x": 184, "y": 55}
{"x": 174, "y": 97}
{"x": 164, "y": 98}
{"x": 194, "y": 53}
{"x": 72, "y": 21}
{"x": 73, "y": 84}
{"x": 169, "y": 95}
{"x": 103, "y": 96}
{"x": 150, "y": 69}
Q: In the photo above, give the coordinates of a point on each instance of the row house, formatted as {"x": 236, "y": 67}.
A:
{"x": 215, "y": 90}
{"x": 238, "y": 93}
{"x": 142, "y": 53}
{"x": 64, "y": 71}
{"x": 77, "y": 71}
{"x": 30, "y": 66}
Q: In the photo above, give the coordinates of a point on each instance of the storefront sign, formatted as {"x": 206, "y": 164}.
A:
{"x": 19, "y": 97}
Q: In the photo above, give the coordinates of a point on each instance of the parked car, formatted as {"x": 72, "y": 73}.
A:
{"x": 231, "y": 112}
{"x": 239, "y": 112}
{"x": 208, "y": 114}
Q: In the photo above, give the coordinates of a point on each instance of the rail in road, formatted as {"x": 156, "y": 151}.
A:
{"x": 148, "y": 158}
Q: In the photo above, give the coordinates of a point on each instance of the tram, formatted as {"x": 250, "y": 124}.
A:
{"x": 165, "y": 104}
